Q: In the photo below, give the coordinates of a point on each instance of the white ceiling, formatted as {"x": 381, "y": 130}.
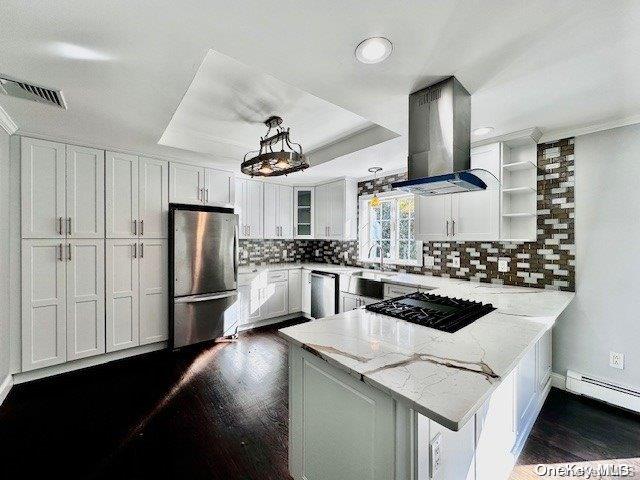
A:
{"x": 224, "y": 110}
{"x": 554, "y": 65}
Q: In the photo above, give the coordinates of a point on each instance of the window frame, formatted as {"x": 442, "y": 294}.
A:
{"x": 364, "y": 239}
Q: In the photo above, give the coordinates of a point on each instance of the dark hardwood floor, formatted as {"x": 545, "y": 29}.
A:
{"x": 220, "y": 412}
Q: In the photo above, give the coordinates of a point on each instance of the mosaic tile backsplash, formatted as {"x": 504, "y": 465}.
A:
{"x": 548, "y": 262}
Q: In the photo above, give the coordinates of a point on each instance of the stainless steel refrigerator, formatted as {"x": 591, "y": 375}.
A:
{"x": 203, "y": 268}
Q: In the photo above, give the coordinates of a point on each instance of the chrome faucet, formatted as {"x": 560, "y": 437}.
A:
{"x": 381, "y": 256}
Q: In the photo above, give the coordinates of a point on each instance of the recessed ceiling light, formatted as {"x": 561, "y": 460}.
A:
{"x": 481, "y": 131}
{"x": 374, "y": 50}
{"x": 77, "y": 52}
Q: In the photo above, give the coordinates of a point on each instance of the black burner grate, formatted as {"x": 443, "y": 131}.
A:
{"x": 434, "y": 311}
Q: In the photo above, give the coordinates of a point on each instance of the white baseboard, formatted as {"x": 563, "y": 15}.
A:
{"x": 603, "y": 390}
{"x": 558, "y": 381}
{"x": 5, "y": 387}
{"x": 522, "y": 438}
{"x": 86, "y": 362}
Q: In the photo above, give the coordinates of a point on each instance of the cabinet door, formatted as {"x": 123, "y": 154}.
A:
{"x": 85, "y": 192}
{"x": 43, "y": 188}
{"x": 121, "y": 195}
{"x": 322, "y": 212}
{"x": 240, "y": 205}
{"x": 276, "y": 301}
{"x": 433, "y": 217}
{"x": 43, "y": 304}
{"x": 544, "y": 347}
{"x": 186, "y": 184}
{"x": 219, "y": 187}
{"x": 271, "y": 214}
{"x": 487, "y": 157}
{"x": 304, "y": 212}
{"x": 122, "y": 294}
{"x": 285, "y": 211}
{"x": 349, "y": 303}
{"x": 153, "y": 179}
{"x": 336, "y": 194}
{"x": 85, "y": 298}
{"x": 154, "y": 300}
{"x": 306, "y": 292}
{"x": 526, "y": 389}
{"x": 295, "y": 291}
{"x": 254, "y": 211}
{"x": 249, "y": 298}
{"x": 475, "y": 215}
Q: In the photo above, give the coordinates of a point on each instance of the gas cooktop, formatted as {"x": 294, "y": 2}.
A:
{"x": 434, "y": 311}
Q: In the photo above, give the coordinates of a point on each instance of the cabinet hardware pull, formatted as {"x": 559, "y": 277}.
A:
{"x": 141, "y": 227}
{"x": 60, "y": 252}
{"x": 453, "y": 228}
{"x": 142, "y": 250}
{"x": 135, "y": 250}
{"x": 135, "y": 227}
{"x": 69, "y": 251}
{"x": 447, "y": 227}
{"x": 249, "y": 230}
{"x": 69, "y": 226}
{"x": 207, "y": 190}
{"x": 60, "y": 225}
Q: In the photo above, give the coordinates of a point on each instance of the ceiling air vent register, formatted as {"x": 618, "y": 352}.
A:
{"x": 28, "y": 91}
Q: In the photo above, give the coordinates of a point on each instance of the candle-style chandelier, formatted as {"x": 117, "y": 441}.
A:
{"x": 268, "y": 161}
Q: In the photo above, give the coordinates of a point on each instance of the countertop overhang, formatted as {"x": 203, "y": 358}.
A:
{"x": 446, "y": 377}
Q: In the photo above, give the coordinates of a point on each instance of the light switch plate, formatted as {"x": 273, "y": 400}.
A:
{"x": 429, "y": 261}
{"x": 503, "y": 265}
{"x": 455, "y": 261}
{"x": 435, "y": 455}
{"x": 616, "y": 360}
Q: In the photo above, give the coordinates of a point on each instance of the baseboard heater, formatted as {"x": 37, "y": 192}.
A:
{"x": 606, "y": 391}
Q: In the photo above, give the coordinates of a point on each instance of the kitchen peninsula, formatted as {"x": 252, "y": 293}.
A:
{"x": 372, "y": 396}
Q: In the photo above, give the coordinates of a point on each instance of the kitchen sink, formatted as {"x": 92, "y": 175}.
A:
{"x": 365, "y": 284}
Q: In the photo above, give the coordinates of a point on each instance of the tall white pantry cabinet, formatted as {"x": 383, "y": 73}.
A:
{"x": 69, "y": 223}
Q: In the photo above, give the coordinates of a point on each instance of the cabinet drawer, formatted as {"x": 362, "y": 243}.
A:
{"x": 277, "y": 276}
{"x": 391, "y": 291}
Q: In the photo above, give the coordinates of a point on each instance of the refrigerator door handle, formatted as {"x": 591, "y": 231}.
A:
{"x": 204, "y": 298}
{"x": 235, "y": 253}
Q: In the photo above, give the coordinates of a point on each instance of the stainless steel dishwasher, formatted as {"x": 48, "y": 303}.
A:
{"x": 324, "y": 293}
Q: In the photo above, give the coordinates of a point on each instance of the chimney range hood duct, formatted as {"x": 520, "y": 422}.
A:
{"x": 439, "y": 158}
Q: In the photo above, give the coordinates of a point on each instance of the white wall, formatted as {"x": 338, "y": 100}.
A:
{"x": 4, "y": 256}
{"x": 605, "y": 315}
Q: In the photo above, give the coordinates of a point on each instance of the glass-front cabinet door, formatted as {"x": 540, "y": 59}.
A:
{"x": 303, "y": 212}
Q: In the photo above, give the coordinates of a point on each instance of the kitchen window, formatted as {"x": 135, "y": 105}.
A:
{"x": 389, "y": 227}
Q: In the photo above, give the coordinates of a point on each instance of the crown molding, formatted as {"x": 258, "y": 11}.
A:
{"x": 7, "y": 123}
{"x": 591, "y": 128}
{"x": 528, "y": 136}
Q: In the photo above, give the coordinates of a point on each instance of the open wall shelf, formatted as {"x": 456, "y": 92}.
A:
{"x": 519, "y": 192}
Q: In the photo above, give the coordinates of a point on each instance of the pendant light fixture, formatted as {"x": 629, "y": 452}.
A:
{"x": 268, "y": 161}
{"x": 375, "y": 201}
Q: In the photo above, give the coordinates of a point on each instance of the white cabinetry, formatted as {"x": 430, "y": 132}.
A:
{"x": 336, "y": 210}
{"x": 249, "y": 207}
{"x": 62, "y": 301}
{"x": 306, "y": 292}
{"x": 275, "y": 299}
{"x": 295, "y": 291}
{"x": 62, "y": 190}
{"x": 278, "y": 211}
{"x": 196, "y": 185}
{"x": 136, "y": 196}
{"x": 349, "y": 301}
{"x": 136, "y": 292}
{"x": 303, "y": 212}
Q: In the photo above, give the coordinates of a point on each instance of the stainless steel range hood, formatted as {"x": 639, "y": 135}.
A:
{"x": 439, "y": 158}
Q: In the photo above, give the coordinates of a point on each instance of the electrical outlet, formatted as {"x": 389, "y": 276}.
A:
{"x": 429, "y": 261}
{"x": 435, "y": 457}
{"x": 616, "y": 360}
{"x": 503, "y": 265}
{"x": 345, "y": 255}
{"x": 455, "y": 261}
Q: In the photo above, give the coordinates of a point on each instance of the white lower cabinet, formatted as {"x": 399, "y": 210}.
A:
{"x": 136, "y": 292}
{"x": 349, "y": 301}
{"x": 62, "y": 301}
{"x": 295, "y": 291}
{"x": 276, "y": 299}
{"x": 306, "y": 292}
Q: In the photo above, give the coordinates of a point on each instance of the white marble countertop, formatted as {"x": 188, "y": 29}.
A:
{"x": 446, "y": 377}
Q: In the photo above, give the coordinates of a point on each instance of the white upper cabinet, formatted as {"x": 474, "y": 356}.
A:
{"x": 278, "y": 211}
{"x": 303, "y": 212}
{"x": 196, "y": 185}
{"x": 43, "y": 189}
{"x": 121, "y": 195}
{"x": 249, "y": 207}
{"x": 85, "y": 192}
{"x": 43, "y": 304}
{"x": 187, "y": 184}
{"x": 463, "y": 216}
{"x": 153, "y": 203}
{"x": 154, "y": 291}
{"x": 85, "y": 298}
{"x": 219, "y": 187}
{"x": 336, "y": 210}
